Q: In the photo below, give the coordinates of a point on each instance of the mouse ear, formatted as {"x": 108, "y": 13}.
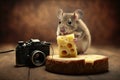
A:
{"x": 60, "y": 13}
{"x": 78, "y": 13}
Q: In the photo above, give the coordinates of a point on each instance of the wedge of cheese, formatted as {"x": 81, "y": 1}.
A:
{"x": 67, "y": 46}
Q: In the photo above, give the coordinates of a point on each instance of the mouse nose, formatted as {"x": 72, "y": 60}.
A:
{"x": 62, "y": 29}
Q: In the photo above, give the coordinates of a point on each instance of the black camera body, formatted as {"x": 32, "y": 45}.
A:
{"x": 32, "y": 52}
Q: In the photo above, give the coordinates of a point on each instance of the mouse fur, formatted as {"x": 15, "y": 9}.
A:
{"x": 72, "y": 23}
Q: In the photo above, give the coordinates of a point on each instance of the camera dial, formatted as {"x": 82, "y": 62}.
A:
{"x": 20, "y": 43}
{"x": 38, "y": 58}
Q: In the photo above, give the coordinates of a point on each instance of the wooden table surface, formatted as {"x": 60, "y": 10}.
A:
{"x": 8, "y": 71}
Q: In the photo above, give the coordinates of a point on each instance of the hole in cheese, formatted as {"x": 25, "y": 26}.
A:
{"x": 69, "y": 45}
{"x": 61, "y": 46}
{"x": 72, "y": 50}
{"x": 64, "y": 52}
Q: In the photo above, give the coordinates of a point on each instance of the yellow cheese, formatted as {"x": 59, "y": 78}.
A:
{"x": 67, "y": 46}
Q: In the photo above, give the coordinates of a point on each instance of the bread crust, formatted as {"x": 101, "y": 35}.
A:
{"x": 82, "y": 64}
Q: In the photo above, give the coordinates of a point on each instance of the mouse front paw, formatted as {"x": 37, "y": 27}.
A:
{"x": 75, "y": 40}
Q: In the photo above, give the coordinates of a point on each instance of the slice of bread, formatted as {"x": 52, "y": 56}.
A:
{"x": 67, "y": 46}
{"x": 82, "y": 64}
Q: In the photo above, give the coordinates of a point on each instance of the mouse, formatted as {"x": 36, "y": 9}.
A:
{"x": 72, "y": 23}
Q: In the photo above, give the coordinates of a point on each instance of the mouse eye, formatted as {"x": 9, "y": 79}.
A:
{"x": 59, "y": 22}
{"x": 69, "y": 22}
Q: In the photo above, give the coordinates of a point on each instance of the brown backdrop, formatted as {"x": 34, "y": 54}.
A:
{"x": 25, "y": 19}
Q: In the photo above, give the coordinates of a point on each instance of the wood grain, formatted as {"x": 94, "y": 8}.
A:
{"x": 8, "y": 71}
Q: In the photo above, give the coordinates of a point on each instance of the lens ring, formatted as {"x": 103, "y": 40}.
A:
{"x": 40, "y": 53}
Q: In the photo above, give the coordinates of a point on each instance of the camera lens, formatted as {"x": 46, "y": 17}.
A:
{"x": 38, "y": 58}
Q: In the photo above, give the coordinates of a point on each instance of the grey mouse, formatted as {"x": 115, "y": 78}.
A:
{"x": 72, "y": 23}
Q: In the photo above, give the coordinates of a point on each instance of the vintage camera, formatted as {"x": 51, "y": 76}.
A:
{"x": 32, "y": 52}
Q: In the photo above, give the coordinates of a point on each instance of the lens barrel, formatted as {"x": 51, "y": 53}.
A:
{"x": 38, "y": 58}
